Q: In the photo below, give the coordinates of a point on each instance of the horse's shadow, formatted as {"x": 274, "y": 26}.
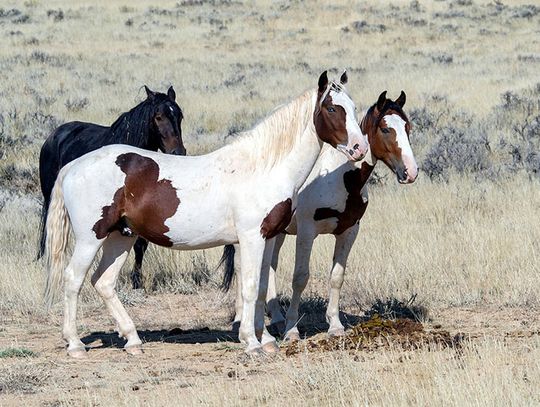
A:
{"x": 312, "y": 321}
{"x": 174, "y": 335}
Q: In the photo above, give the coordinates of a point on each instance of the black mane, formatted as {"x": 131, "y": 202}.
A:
{"x": 135, "y": 126}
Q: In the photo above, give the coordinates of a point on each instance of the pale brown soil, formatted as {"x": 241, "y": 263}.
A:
{"x": 179, "y": 347}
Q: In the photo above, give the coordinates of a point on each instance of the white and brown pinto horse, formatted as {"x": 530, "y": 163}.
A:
{"x": 332, "y": 201}
{"x": 242, "y": 193}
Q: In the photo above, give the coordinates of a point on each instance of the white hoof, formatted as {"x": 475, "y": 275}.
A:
{"x": 336, "y": 332}
{"x": 78, "y": 353}
{"x": 271, "y": 347}
{"x": 255, "y": 351}
{"x": 134, "y": 350}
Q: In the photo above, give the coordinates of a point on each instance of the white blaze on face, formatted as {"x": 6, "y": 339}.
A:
{"x": 354, "y": 134}
{"x": 395, "y": 122}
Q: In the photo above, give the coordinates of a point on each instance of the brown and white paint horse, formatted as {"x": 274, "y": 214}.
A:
{"x": 242, "y": 193}
{"x": 332, "y": 201}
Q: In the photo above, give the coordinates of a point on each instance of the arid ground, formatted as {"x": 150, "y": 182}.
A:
{"x": 459, "y": 247}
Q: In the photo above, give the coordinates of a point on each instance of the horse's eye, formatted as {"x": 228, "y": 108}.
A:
{"x": 159, "y": 118}
{"x": 385, "y": 130}
{"x": 331, "y": 109}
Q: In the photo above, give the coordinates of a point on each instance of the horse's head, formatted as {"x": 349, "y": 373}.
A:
{"x": 335, "y": 119}
{"x": 167, "y": 121}
{"x": 388, "y": 128}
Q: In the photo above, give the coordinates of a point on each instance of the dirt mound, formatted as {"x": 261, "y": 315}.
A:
{"x": 376, "y": 333}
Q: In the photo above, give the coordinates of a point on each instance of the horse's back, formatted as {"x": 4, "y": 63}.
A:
{"x": 74, "y": 139}
{"x": 66, "y": 143}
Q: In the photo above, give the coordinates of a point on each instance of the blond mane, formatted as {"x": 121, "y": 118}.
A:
{"x": 276, "y": 135}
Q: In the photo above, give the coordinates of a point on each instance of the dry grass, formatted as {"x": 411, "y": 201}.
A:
{"x": 461, "y": 241}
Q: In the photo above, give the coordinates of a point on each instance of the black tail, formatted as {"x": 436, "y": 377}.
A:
{"x": 228, "y": 260}
{"x": 42, "y": 229}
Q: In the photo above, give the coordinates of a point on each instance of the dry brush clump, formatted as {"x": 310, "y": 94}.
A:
{"x": 377, "y": 333}
{"x": 449, "y": 140}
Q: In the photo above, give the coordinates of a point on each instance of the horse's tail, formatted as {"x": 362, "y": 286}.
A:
{"x": 57, "y": 230}
{"x": 228, "y": 260}
{"x": 49, "y": 166}
{"x": 42, "y": 228}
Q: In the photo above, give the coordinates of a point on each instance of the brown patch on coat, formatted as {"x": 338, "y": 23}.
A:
{"x": 355, "y": 207}
{"x": 143, "y": 203}
{"x": 330, "y": 126}
{"x": 277, "y": 219}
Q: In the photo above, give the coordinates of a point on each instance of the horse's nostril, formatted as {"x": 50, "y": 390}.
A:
{"x": 351, "y": 151}
{"x": 356, "y": 146}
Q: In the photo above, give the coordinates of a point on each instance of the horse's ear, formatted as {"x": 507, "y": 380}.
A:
{"x": 323, "y": 81}
{"x": 400, "y": 101}
{"x": 171, "y": 94}
{"x": 381, "y": 101}
{"x": 149, "y": 92}
{"x": 344, "y": 78}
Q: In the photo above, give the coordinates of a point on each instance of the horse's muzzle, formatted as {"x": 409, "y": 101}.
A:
{"x": 179, "y": 151}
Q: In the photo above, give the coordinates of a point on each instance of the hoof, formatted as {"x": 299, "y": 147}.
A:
{"x": 292, "y": 337}
{"x": 78, "y": 353}
{"x": 134, "y": 350}
{"x": 277, "y": 328}
{"x": 271, "y": 347}
{"x": 336, "y": 332}
{"x": 256, "y": 351}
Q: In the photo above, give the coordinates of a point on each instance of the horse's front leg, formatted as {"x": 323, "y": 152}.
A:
{"x": 272, "y": 301}
{"x": 238, "y": 303}
{"x": 304, "y": 244}
{"x": 252, "y": 246}
{"x": 342, "y": 249}
{"x": 268, "y": 341}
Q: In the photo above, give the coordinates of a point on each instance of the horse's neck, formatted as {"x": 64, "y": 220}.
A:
{"x": 298, "y": 162}
{"x": 127, "y": 130}
{"x": 302, "y": 158}
{"x": 284, "y": 147}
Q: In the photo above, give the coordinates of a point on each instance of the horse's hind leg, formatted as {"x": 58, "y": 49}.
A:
{"x": 74, "y": 274}
{"x": 140, "y": 248}
{"x": 115, "y": 251}
{"x": 344, "y": 243}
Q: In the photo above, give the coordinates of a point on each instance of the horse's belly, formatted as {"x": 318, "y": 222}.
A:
{"x": 199, "y": 227}
{"x": 191, "y": 237}
{"x": 320, "y": 227}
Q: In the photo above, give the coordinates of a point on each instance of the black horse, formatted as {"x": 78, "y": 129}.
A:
{"x": 154, "y": 124}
